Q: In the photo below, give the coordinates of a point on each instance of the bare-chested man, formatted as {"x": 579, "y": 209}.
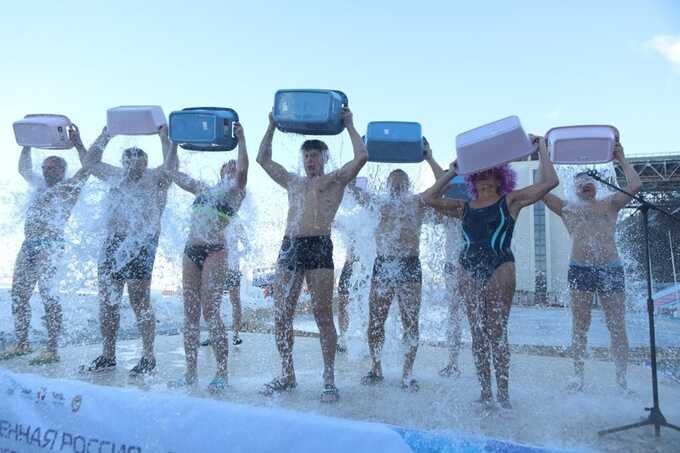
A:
{"x": 135, "y": 204}
{"x": 307, "y": 249}
{"x": 595, "y": 265}
{"x": 396, "y": 271}
{"x": 40, "y": 255}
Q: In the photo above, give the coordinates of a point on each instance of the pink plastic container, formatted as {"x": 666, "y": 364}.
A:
{"x": 587, "y": 144}
{"x": 135, "y": 119}
{"x": 491, "y": 145}
{"x": 43, "y": 131}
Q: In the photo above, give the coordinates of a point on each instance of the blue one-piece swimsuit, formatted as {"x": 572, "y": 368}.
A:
{"x": 487, "y": 233}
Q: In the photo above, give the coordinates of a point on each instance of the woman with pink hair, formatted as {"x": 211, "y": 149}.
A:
{"x": 486, "y": 276}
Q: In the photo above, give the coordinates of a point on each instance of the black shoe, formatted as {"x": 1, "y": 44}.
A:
{"x": 206, "y": 342}
{"x": 237, "y": 340}
{"x": 100, "y": 364}
{"x": 145, "y": 366}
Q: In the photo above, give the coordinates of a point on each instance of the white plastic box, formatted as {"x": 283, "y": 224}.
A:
{"x": 492, "y": 145}
{"x": 135, "y": 119}
{"x": 43, "y": 130}
{"x": 588, "y": 144}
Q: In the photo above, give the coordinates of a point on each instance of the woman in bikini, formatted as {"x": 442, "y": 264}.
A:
{"x": 486, "y": 275}
{"x": 204, "y": 265}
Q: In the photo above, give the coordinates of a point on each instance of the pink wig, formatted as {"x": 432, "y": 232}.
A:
{"x": 506, "y": 176}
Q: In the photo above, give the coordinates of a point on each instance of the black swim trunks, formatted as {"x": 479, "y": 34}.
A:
{"x": 397, "y": 270}
{"x": 602, "y": 279}
{"x": 306, "y": 253}
{"x": 198, "y": 253}
{"x": 135, "y": 262}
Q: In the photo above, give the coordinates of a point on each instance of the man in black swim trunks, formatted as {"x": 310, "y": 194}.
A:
{"x": 135, "y": 204}
{"x": 397, "y": 273}
{"x": 40, "y": 255}
{"x": 307, "y": 250}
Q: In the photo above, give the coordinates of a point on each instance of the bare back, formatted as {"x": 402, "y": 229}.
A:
{"x": 312, "y": 204}
{"x": 400, "y": 222}
{"x": 592, "y": 227}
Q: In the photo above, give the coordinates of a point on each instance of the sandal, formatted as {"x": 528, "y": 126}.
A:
{"x": 44, "y": 358}
{"x": 99, "y": 364}
{"x": 372, "y": 378}
{"x": 182, "y": 383}
{"x": 14, "y": 351}
{"x": 277, "y": 385}
{"x": 450, "y": 370}
{"x": 410, "y": 385}
{"x": 330, "y": 394}
{"x": 217, "y": 385}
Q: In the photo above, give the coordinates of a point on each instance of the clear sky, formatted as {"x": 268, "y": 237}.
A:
{"x": 449, "y": 65}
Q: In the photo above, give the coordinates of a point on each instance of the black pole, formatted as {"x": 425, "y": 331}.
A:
{"x": 655, "y": 418}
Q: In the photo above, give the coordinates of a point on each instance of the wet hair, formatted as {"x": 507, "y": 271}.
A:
{"x": 506, "y": 176}
{"x": 59, "y": 160}
{"x": 316, "y": 145}
{"x": 582, "y": 174}
{"x": 136, "y": 151}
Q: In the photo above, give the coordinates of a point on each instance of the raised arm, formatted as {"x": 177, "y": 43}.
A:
{"x": 264, "y": 157}
{"x": 633, "y": 184}
{"x": 94, "y": 162}
{"x": 84, "y": 172}
{"x": 26, "y": 166}
{"x": 242, "y": 159}
{"x": 434, "y": 195}
{"x": 554, "y": 203}
{"x": 436, "y": 168}
{"x": 547, "y": 181}
{"x": 169, "y": 167}
{"x": 352, "y": 168}
{"x": 362, "y": 196}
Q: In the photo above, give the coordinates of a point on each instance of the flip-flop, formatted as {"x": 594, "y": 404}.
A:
{"x": 181, "y": 383}
{"x": 44, "y": 358}
{"x": 371, "y": 378}
{"x": 277, "y": 385}
{"x": 217, "y": 386}
{"x": 450, "y": 371}
{"x": 14, "y": 351}
{"x": 330, "y": 394}
{"x": 410, "y": 385}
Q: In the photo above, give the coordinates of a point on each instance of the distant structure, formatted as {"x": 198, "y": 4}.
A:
{"x": 542, "y": 245}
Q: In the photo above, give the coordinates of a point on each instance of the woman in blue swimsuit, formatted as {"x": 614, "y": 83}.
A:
{"x": 204, "y": 266}
{"x": 486, "y": 276}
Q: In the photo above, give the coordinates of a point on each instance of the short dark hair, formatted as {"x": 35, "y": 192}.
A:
{"x": 582, "y": 174}
{"x": 398, "y": 171}
{"x": 310, "y": 145}
{"x": 134, "y": 150}
{"x": 61, "y": 161}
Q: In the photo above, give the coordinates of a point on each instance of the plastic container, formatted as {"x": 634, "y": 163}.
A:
{"x": 315, "y": 112}
{"x": 491, "y": 145}
{"x": 135, "y": 120}
{"x": 204, "y": 128}
{"x": 587, "y": 144}
{"x": 43, "y": 130}
{"x": 394, "y": 142}
{"x": 457, "y": 189}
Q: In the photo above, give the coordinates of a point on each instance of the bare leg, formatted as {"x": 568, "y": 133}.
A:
{"x": 615, "y": 313}
{"x": 235, "y": 299}
{"x": 379, "y": 301}
{"x": 47, "y": 285}
{"x": 476, "y": 313}
{"x": 409, "y": 308}
{"x": 140, "y": 299}
{"x": 343, "y": 315}
{"x": 23, "y": 282}
{"x": 212, "y": 289}
{"x": 454, "y": 330}
{"x": 320, "y": 284}
{"x": 498, "y": 297}
{"x": 580, "y": 310}
{"x": 286, "y": 293}
{"x": 191, "y": 283}
{"x": 110, "y": 292}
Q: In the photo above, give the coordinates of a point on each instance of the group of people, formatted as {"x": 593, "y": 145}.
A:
{"x": 482, "y": 276}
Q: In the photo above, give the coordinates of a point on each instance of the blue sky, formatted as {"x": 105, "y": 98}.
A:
{"x": 449, "y": 65}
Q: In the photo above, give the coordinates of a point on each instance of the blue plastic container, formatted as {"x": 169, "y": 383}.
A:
{"x": 457, "y": 189}
{"x": 204, "y": 128}
{"x": 314, "y": 112}
{"x": 394, "y": 142}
